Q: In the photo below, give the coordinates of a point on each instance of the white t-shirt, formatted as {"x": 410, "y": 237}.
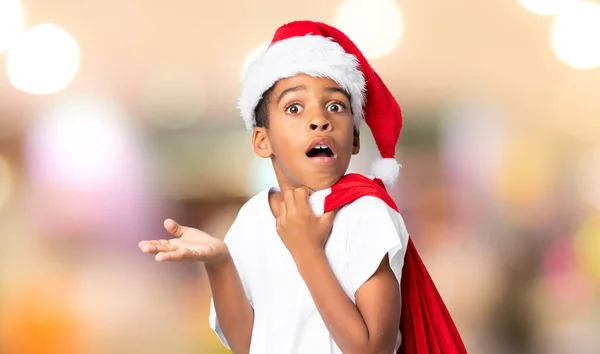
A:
{"x": 286, "y": 319}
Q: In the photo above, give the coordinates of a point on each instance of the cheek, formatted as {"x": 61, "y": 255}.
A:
{"x": 284, "y": 144}
{"x": 286, "y": 134}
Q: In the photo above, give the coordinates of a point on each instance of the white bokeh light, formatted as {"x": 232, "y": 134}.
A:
{"x": 375, "y": 26}
{"x": 252, "y": 56}
{"x": 80, "y": 143}
{"x": 85, "y": 171}
{"x": 12, "y": 21}
{"x": 545, "y": 7}
{"x": 43, "y": 60}
{"x": 575, "y": 35}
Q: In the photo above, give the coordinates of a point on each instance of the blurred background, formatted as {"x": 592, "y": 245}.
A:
{"x": 115, "y": 115}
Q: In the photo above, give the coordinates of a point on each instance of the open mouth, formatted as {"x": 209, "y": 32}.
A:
{"x": 320, "y": 151}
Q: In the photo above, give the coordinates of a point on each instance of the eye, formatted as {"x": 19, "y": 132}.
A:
{"x": 293, "y": 109}
{"x": 336, "y": 107}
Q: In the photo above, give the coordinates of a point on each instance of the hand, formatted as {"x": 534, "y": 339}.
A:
{"x": 189, "y": 243}
{"x": 299, "y": 228}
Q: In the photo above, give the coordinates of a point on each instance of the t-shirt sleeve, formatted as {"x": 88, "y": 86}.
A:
{"x": 375, "y": 230}
{"x": 233, "y": 239}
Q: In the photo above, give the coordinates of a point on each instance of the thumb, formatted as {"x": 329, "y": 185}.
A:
{"x": 174, "y": 228}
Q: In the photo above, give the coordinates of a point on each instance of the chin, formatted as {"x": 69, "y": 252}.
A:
{"x": 322, "y": 183}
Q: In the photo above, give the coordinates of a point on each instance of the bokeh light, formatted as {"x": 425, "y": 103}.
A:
{"x": 563, "y": 277}
{"x": 526, "y": 175}
{"x": 575, "y": 35}
{"x": 12, "y": 21}
{"x": 6, "y": 181}
{"x": 252, "y": 56}
{"x": 499, "y": 185}
{"x": 545, "y": 7}
{"x": 587, "y": 245}
{"x": 79, "y": 143}
{"x": 84, "y": 155}
{"x": 43, "y": 60}
{"x": 375, "y": 26}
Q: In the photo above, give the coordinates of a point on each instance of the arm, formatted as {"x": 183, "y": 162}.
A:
{"x": 234, "y": 312}
{"x": 235, "y": 315}
{"x": 370, "y": 326}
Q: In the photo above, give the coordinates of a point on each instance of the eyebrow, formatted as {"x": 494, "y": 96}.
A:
{"x": 302, "y": 87}
{"x": 337, "y": 89}
{"x": 288, "y": 90}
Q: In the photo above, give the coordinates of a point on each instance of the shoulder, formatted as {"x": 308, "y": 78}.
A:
{"x": 368, "y": 207}
{"x": 255, "y": 209}
{"x": 371, "y": 213}
{"x": 255, "y": 206}
{"x": 372, "y": 230}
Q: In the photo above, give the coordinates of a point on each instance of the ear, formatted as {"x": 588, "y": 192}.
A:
{"x": 356, "y": 142}
{"x": 261, "y": 143}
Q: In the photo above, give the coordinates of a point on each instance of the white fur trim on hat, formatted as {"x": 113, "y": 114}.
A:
{"x": 317, "y": 201}
{"x": 311, "y": 55}
{"x": 386, "y": 169}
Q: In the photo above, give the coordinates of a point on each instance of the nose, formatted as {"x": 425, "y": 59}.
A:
{"x": 319, "y": 123}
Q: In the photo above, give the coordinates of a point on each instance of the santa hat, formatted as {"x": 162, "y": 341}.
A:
{"x": 316, "y": 49}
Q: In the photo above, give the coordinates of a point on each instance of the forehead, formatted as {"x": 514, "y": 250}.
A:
{"x": 305, "y": 80}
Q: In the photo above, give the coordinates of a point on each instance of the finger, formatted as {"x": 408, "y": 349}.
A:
{"x": 151, "y": 242}
{"x": 282, "y": 210}
{"x": 327, "y": 218}
{"x": 170, "y": 256}
{"x": 157, "y": 247}
{"x": 289, "y": 200}
{"x": 179, "y": 255}
{"x": 302, "y": 202}
{"x": 174, "y": 228}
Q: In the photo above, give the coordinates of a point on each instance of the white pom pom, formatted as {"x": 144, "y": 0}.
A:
{"x": 386, "y": 170}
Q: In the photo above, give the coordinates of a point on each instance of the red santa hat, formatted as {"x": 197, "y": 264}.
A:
{"x": 316, "y": 49}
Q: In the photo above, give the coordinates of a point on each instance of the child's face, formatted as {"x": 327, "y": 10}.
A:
{"x": 311, "y": 135}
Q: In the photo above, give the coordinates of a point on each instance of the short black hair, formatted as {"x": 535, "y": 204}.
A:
{"x": 261, "y": 112}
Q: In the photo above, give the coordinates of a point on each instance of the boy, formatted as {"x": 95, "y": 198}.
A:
{"x": 315, "y": 265}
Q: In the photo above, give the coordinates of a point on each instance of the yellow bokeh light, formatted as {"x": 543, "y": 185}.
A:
{"x": 526, "y": 176}
{"x": 587, "y": 246}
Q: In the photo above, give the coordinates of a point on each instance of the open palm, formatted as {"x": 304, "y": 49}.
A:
{"x": 188, "y": 243}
